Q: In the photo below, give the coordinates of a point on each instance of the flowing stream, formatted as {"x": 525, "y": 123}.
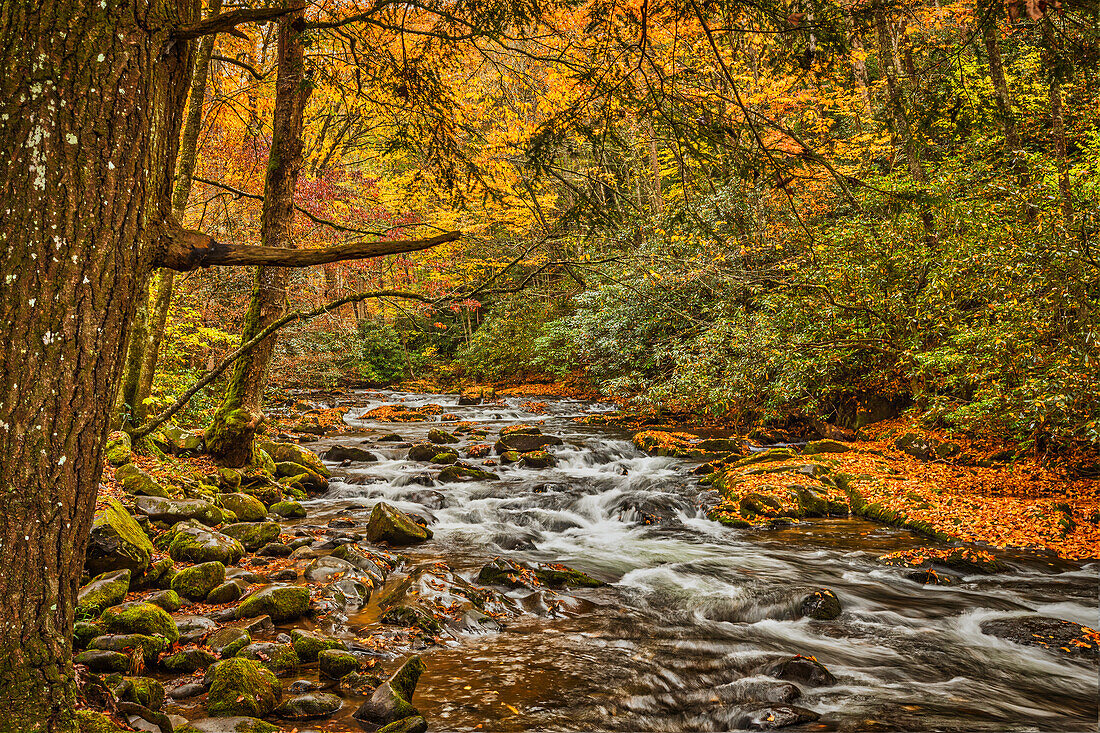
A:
{"x": 693, "y": 610}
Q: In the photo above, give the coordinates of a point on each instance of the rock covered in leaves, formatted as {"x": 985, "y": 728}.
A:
{"x": 1056, "y": 635}
{"x": 516, "y": 574}
{"x": 395, "y": 527}
{"x": 822, "y": 605}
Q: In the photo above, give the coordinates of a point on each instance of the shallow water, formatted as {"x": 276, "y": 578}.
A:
{"x": 693, "y": 608}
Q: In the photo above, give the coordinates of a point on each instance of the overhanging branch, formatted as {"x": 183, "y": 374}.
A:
{"x": 189, "y": 250}
{"x": 224, "y": 22}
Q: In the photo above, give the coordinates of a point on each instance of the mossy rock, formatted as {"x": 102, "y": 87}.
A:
{"x": 117, "y": 542}
{"x": 441, "y": 437}
{"x": 151, "y": 646}
{"x": 191, "y": 542}
{"x": 537, "y": 459}
{"x": 755, "y": 504}
{"x": 445, "y": 458}
{"x": 520, "y": 430}
{"x": 766, "y": 456}
{"x": 92, "y": 721}
{"x": 280, "y": 602}
{"x": 516, "y": 574}
{"x": 292, "y": 453}
{"x": 197, "y": 581}
{"x": 160, "y": 509}
{"x": 423, "y": 452}
{"x": 393, "y": 526}
{"x": 728, "y": 520}
{"x": 392, "y": 700}
{"x": 119, "y": 450}
{"x": 824, "y": 446}
{"x": 138, "y": 617}
{"x": 253, "y": 535}
{"x": 288, "y": 509}
{"x": 232, "y": 724}
{"x": 247, "y": 507}
{"x": 227, "y": 592}
{"x": 276, "y": 657}
{"x": 241, "y": 686}
{"x": 310, "y": 706}
{"x": 103, "y": 591}
{"x": 228, "y": 640}
{"x": 169, "y": 600}
{"x": 139, "y": 483}
{"x": 510, "y": 456}
{"x": 308, "y": 645}
{"x": 464, "y": 472}
{"x": 187, "y": 661}
{"x": 411, "y": 617}
{"x": 336, "y": 663}
{"x": 159, "y": 574}
{"x": 340, "y": 453}
{"x": 103, "y": 661}
{"x": 145, "y": 691}
{"x": 84, "y": 632}
{"x": 265, "y": 462}
{"x": 822, "y": 605}
{"x": 411, "y": 724}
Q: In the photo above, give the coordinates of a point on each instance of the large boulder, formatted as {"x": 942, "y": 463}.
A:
{"x": 423, "y": 452}
{"x": 1052, "y": 634}
{"x": 340, "y": 453}
{"x": 161, "y": 509}
{"x": 441, "y": 437}
{"x": 335, "y": 663}
{"x": 247, "y": 507}
{"x": 822, "y": 605}
{"x": 293, "y": 453}
{"x": 391, "y": 525}
{"x": 253, "y": 535}
{"x": 117, "y": 542}
{"x": 392, "y": 700}
{"x": 138, "y": 617}
{"x": 288, "y": 509}
{"x": 524, "y": 443}
{"x": 309, "y": 706}
{"x": 241, "y": 686}
{"x": 197, "y": 581}
{"x": 103, "y": 591}
{"x": 280, "y": 602}
{"x": 192, "y": 542}
{"x": 276, "y": 657}
{"x": 803, "y": 670}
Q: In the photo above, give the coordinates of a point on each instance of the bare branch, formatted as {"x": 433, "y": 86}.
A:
{"x": 228, "y": 22}
{"x": 242, "y": 64}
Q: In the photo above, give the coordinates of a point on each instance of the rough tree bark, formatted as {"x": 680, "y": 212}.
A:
{"x": 229, "y": 438}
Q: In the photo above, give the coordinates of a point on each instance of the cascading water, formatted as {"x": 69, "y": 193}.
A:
{"x": 694, "y": 611}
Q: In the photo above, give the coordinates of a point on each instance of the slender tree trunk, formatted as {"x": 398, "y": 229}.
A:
{"x": 859, "y": 68}
{"x": 165, "y": 278}
{"x": 230, "y": 435}
{"x": 84, "y": 190}
{"x": 1000, "y": 84}
{"x": 1053, "y": 53}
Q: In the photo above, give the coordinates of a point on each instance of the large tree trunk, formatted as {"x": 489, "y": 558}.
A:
{"x": 85, "y": 193}
{"x": 165, "y": 278}
{"x": 230, "y": 435}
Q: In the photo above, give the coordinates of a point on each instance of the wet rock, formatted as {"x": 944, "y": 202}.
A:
{"x": 803, "y": 670}
{"x": 441, "y": 437}
{"x": 253, "y": 535}
{"x": 151, "y": 646}
{"x": 138, "y": 617}
{"x": 247, "y": 507}
{"x": 524, "y": 443}
{"x": 229, "y": 640}
{"x": 197, "y": 581}
{"x": 776, "y": 716}
{"x": 822, "y": 605}
{"x": 192, "y": 542}
{"x": 105, "y": 590}
{"x": 336, "y": 663}
{"x": 390, "y": 438}
{"x": 276, "y": 657}
{"x": 308, "y": 646}
{"x": 375, "y": 564}
{"x": 510, "y": 456}
{"x": 300, "y": 687}
{"x": 930, "y": 576}
{"x": 310, "y": 706}
{"x": 186, "y": 690}
{"x": 275, "y": 549}
{"x": 241, "y": 686}
{"x": 118, "y": 449}
{"x": 286, "y": 575}
{"x": 193, "y": 629}
{"x": 445, "y": 458}
{"x": 292, "y": 453}
{"x": 393, "y": 526}
{"x": 187, "y": 661}
{"x": 479, "y": 450}
{"x": 537, "y": 459}
{"x": 358, "y": 683}
{"x": 324, "y": 568}
{"x": 160, "y": 509}
{"x": 392, "y": 700}
{"x": 117, "y": 542}
{"x": 102, "y": 661}
{"x": 234, "y": 724}
{"x": 338, "y": 453}
{"x": 740, "y": 692}
{"x": 411, "y": 724}
{"x": 516, "y": 574}
{"x": 423, "y": 452}
{"x": 464, "y": 472}
{"x": 411, "y": 617}
{"x": 169, "y": 600}
{"x": 1056, "y": 635}
{"x": 429, "y": 498}
{"x": 280, "y": 602}
{"x": 288, "y": 509}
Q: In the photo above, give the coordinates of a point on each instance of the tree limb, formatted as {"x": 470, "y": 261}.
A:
{"x": 224, "y": 22}
{"x": 189, "y": 250}
{"x": 242, "y": 64}
{"x": 244, "y": 348}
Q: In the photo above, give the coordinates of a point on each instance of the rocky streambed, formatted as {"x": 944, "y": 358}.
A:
{"x": 483, "y": 567}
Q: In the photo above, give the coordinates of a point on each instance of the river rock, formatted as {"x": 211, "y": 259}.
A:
{"x": 293, "y": 453}
{"x": 516, "y": 574}
{"x": 102, "y": 661}
{"x": 375, "y": 564}
{"x": 138, "y": 617}
{"x": 441, "y": 437}
{"x": 193, "y": 629}
{"x": 775, "y": 716}
{"x": 192, "y": 542}
{"x": 119, "y": 449}
{"x": 187, "y": 661}
{"x": 117, "y": 542}
{"x": 310, "y": 706}
{"x": 803, "y": 670}
{"x": 160, "y": 509}
{"x": 227, "y": 592}
{"x": 138, "y": 482}
{"x": 247, "y": 507}
{"x": 197, "y": 581}
{"x": 228, "y": 640}
{"x": 464, "y": 472}
{"x": 241, "y": 686}
{"x": 445, "y": 458}
{"x": 395, "y": 527}
{"x": 1056, "y": 635}
{"x": 105, "y": 590}
{"x": 145, "y": 691}
{"x": 537, "y": 459}
{"x": 84, "y": 632}
{"x": 169, "y": 600}
{"x": 151, "y": 646}
{"x": 423, "y": 452}
{"x": 822, "y": 605}
{"x": 392, "y": 700}
{"x": 524, "y": 443}
{"x": 288, "y": 509}
{"x": 253, "y": 535}
{"x": 309, "y": 645}
{"x": 324, "y": 568}
{"x": 276, "y": 657}
{"x": 280, "y": 602}
{"x": 740, "y": 692}
{"x": 234, "y": 724}
{"x": 411, "y": 724}
{"x": 335, "y": 663}
{"x": 339, "y": 453}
